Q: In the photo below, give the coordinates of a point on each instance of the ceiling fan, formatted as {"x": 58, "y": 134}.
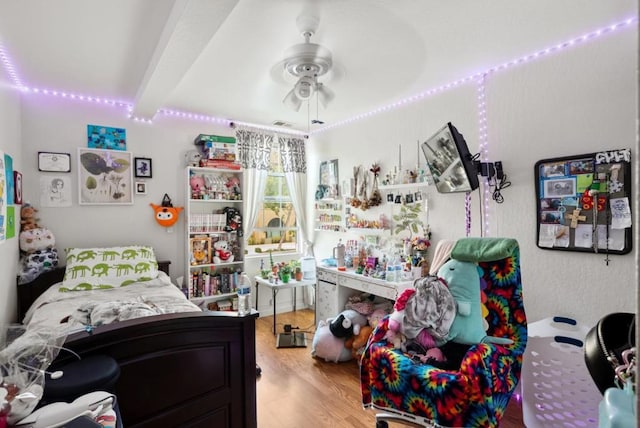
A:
{"x": 306, "y": 62}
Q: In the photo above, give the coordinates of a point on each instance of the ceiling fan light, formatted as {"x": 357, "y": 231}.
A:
{"x": 304, "y": 88}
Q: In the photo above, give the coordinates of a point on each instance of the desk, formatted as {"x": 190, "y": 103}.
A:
{"x": 292, "y": 284}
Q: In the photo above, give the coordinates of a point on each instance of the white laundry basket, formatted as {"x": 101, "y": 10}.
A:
{"x": 557, "y": 389}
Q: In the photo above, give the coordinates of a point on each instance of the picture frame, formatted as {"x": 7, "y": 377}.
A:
{"x": 106, "y": 137}
{"x": 141, "y": 188}
{"x": 200, "y": 250}
{"x": 571, "y": 216}
{"x": 54, "y": 162}
{"x": 105, "y": 177}
{"x": 17, "y": 187}
{"x": 143, "y": 168}
{"x": 329, "y": 177}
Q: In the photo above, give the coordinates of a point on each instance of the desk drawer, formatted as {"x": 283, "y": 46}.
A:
{"x": 327, "y": 276}
{"x": 388, "y": 292}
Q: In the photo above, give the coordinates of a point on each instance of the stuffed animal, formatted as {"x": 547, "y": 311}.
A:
{"x": 192, "y": 158}
{"x": 463, "y": 279}
{"x": 196, "y": 182}
{"x": 221, "y": 252}
{"x": 234, "y": 221}
{"x": 35, "y": 263}
{"x": 347, "y": 323}
{"x": 233, "y": 186}
{"x": 28, "y": 218}
{"x": 357, "y": 342}
{"x": 375, "y": 317}
{"x": 327, "y": 346}
{"x": 32, "y": 240}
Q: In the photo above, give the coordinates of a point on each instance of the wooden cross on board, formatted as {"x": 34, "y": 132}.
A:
{"x": 575, "y": 217}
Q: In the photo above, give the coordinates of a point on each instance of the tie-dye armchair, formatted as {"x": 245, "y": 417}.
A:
{"x": 476, "y": 394}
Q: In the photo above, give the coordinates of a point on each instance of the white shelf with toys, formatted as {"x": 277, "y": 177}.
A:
{"x": 214, "y": 236}
{"x": 329, "y": 215}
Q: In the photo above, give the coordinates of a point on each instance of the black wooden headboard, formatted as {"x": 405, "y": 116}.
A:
{"x": 29, "y": 292}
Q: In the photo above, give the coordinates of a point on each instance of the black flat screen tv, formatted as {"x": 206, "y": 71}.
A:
{"x": 450, "y": 162}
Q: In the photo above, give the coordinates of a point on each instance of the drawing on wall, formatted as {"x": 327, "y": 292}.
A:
{"x": 55, "y": 191}
{"x": 105, "y": 177}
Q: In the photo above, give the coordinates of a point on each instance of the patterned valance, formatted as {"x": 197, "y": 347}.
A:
{"x": 293, "y": 154}
{"x": 254, "y": 149}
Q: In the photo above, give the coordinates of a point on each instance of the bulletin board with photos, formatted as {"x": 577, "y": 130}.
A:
{"x": 584, "y": 202}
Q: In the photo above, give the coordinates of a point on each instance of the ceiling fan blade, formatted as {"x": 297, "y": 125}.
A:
{"x": 325, "y": 95}
{"x": 292, "y": 101}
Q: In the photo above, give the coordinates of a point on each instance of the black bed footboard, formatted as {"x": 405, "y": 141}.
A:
{"x": 180, "y": 370}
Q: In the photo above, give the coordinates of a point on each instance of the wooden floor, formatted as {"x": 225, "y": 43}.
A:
{"x": 296, "y": 390}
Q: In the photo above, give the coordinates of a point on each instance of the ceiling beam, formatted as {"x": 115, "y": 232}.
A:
{"x": 187, "y": 32}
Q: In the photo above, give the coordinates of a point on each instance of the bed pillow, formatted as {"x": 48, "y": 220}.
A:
{"x": 98, "y": 268}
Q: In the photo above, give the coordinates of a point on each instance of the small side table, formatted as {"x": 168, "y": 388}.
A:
{"x": 292, "y": 284}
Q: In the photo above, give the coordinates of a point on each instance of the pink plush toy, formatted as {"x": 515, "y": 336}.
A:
{"x": 197, "y": 185}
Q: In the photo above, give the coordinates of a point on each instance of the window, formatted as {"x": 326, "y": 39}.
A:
{"x": 276, "y": 227}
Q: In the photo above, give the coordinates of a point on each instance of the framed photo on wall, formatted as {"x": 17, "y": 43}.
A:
{"x": 54, "y": 162}
{"x": 141, "y": 188}
{"x": 105, "y": 177}
{"x": 329, "y": 177}
{"x": 143, "y": 168}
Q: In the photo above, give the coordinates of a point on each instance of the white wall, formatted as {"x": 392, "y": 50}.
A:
{"x": 60, "y": 125}
{"x": 578, "y": 101}
{"x": 10, "y": 144}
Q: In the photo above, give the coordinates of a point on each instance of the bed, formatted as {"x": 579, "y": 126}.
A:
{"x": 186, "y": 369}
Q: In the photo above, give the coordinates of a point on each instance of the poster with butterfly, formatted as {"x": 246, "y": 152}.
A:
{"x": 584, "y": 202}
{"x": 105, "y": 177}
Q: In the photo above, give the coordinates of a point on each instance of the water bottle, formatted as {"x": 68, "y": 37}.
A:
{"x": 244, "y": 295}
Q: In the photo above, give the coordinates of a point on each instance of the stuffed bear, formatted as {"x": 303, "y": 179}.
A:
{"x": 28, "y": 218}
{"x": 327, "y": 346}
{"x": 463, "y": 279}
{"x": 357, "y": 342}
{"x": 221, "y": 252}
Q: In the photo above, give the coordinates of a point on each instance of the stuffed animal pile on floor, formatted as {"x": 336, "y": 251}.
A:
{"x": 440, "y": 316}
{"x": 343, "y": 337}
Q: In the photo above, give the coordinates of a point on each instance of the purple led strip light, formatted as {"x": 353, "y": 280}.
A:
{"x": 483, "y": 131}
{"x": 13, "y": 75}
{"x": 509, "y": 64}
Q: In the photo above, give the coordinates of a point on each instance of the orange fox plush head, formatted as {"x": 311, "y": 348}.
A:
{"x": 166, "y": 216}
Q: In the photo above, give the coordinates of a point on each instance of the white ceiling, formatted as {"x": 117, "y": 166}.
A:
{"x": 219, "y": 57}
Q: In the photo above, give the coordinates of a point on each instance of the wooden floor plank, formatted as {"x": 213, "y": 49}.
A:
{"x": 296, "y": 390}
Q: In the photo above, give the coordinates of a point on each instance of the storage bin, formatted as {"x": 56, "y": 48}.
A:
{"x": 557, "y": 389}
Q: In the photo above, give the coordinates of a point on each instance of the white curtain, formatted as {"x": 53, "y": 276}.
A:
{"x": 254, "y": 151}
{"x": 294, "y": 163}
